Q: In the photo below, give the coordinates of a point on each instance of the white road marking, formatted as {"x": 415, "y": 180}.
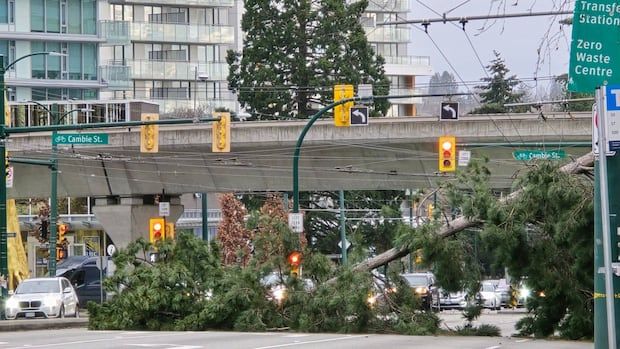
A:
{"x": 522, "y": 340}
{"x": 310, "y": 342}
{"x": 494, "y": 347}
{"x": 150, "y": 335}
{"x": 296, "y": 335}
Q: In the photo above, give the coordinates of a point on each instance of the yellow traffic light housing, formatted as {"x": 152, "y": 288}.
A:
{"x": 157, "y": 226}
{"x": 170, "y": 233}
{"x": 342, "y": 112}
{"x": 294, "y": 260}
{"x": 62, "y": 229}
{"x": 220, "y": 134}
{"x": 447, "y": 154}
{"x": 149, "y": 134}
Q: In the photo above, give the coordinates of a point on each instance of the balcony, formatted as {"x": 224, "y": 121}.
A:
{"x": 405, "y": 91}
{"x": 116, "y": 76}
{"x": 408, "y": 65}
{"x": 197, "y": 3}
{"x": 166, "y": 70}
{"x": 388, "y": 34}
{"x": 124, "y": 32}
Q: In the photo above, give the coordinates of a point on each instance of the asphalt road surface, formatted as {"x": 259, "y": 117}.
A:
{"x": 82, "y": 338}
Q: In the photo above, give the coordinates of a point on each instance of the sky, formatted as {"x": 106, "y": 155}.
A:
{"x": 516, "y": 39}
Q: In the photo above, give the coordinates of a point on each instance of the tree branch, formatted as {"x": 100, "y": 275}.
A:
{"x": 450, "y": 228}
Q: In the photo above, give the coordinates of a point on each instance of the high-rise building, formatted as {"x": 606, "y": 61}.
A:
{"x": 169, "y": 51}
{"x": 393, "y": 43}
{"x": 64, "y": 26}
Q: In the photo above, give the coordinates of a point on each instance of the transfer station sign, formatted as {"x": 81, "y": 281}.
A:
{"x": 595, "y": 45}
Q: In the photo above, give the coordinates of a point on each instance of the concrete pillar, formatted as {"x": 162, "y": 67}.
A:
{"x": 128, "y": 220}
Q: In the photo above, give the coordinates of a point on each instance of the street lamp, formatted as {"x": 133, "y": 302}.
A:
{"x": 54, "y": 185}
{"x": 203, "y": 196}
{"x": 4, "y": 265}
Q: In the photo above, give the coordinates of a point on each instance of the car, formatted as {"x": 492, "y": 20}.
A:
{"x": 452, "y": 300}
{"x": 43, "y": 297}
{"x": 424, "y": 287}
{"x": 85, "y": 275}
{"x": 275, "y": 283}
{"x": 504, "y": 292}
{"x": 489, "y": 297}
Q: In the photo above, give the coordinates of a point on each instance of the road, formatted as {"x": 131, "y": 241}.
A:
{"x": 82, "y": 338}
{"x": 504, "y": 319}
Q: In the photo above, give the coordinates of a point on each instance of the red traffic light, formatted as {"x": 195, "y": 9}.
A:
{"x": 294, "y": 258}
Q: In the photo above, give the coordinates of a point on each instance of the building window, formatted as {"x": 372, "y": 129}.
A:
{"x": 7, "y": 49}
{"x": 52, "y": 11}
{"x": 80, "y": 63}
{"x": 89, "y": 17}
{"x": 44, "y": 94}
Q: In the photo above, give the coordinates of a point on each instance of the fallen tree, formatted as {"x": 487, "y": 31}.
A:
{"x": 583, "y": 164}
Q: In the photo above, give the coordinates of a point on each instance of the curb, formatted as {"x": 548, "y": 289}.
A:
{"x": 42, "y": 324}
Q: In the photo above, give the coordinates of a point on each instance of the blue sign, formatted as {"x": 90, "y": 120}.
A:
{"x": 612, "y": 94}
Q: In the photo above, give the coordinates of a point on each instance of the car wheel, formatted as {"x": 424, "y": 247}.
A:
{"x": 61, "y": 313}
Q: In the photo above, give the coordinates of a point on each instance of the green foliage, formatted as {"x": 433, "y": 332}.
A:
{"x": 543, "y": 235}
{"x": 499, "y": 88}
{"x": 295, "y": 50}
{"x": 484, "y": 330}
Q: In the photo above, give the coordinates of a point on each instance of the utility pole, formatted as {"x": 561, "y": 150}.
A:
{"x": 343, "y": 230}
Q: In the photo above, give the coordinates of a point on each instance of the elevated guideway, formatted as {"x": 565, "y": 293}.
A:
{"x": 390, "y": 153}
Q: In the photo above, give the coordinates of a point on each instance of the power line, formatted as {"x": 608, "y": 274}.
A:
{"x": 465, "y": 19}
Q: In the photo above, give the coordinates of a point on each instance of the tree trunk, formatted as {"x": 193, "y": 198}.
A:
{"x": 580, "y": 165}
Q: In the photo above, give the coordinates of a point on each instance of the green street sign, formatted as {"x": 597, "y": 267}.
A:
{"x": 595, "y": 45}
{"x": 81, "y": 138}
{"x": 538, "y": 154}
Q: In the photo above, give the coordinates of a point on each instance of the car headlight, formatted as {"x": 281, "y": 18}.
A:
{"x": 279, "y": 293}
{"x": 372, "y": 299}
{"x": 524, "y": 292}
{"x": 12, "y": 303}
{"x": 50, "y": 301}
{"x": 420, "y": 290}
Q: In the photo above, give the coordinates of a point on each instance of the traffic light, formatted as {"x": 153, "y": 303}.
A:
{"x": 220, "y": 135}
{"x": 294, "y": 260}
{"x": 61, "y": 253}
{"x": 447, "y": 154}
{"x": 342, "y": 112}
{"x": 156, "y": 229}
{"x": 170, "y": 231}
{"x": 149, "y": 134}
{"x": 62, "y": 229}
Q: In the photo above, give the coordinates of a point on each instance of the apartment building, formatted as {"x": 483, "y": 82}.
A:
{"x": 394, "y": 43}
{"x": 169, "y": 51}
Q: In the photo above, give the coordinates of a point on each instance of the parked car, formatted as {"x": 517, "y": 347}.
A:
{"x": 488, "y": 296}
{"x": 425, "y": 288}
{"x": 504, "y": 292}
{"x": 452, "y": 300}
{"x": 43, "y": 297}
{"x": 84, "y": 274}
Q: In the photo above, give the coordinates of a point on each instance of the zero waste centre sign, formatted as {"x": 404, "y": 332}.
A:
{"x": 595, "y": 45}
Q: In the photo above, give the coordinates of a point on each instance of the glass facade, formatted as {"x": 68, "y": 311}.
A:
{"x": 42, "y": 94}
{"x": 61, "y": 16}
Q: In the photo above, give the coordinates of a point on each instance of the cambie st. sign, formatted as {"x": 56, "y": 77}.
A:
{"x": 594, "y": 52}
{"x": 81, "y": 138}
{"x": 538, "y": 154}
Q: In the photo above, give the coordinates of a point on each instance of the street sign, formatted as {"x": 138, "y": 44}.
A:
{"x": 594, "y": 45}
{"x": 464, "y": 157}
{"x": 111, "y": 249}
{"x": 359, "y": 116}
{"x": 296, "y": 222}
{"x": 9, "y": 177}
{"x": 347, "y": 242}
{"x": 81, "y": 138}
{"x": 538, "y": 154}
{"x": 364, "y": 90}
{"x": 164, "y": 209}
{"x": 612, "y": 117}
{"x": 449, "y": 111}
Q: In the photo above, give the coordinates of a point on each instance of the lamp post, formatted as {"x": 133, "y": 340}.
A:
{"x": 204, "y": 208}
{"x": 4, "y": 265}
{"x": 54, "y": 185}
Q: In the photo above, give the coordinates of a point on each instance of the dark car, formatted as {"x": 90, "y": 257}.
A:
{"x": 85, "y": 275}
{"x": 424, "y": 287}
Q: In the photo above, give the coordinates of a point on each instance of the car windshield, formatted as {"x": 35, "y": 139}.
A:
{"x": 38, "y": 286}
{"x": 488, "y": 288}
{"x": 416, "y": 280}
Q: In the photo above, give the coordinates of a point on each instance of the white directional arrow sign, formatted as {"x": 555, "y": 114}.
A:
{"x": 359, "y": 116}
{"x": 449, "y": 111}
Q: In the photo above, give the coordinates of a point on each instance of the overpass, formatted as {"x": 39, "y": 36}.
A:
{"x": 389, "y": 153}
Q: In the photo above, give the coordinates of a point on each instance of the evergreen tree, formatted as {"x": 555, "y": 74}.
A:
{"x": 294, "y": 51}
{"x": 499, "y": 88}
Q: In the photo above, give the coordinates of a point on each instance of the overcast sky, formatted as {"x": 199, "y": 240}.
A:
{"x": 517, "y": 39}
